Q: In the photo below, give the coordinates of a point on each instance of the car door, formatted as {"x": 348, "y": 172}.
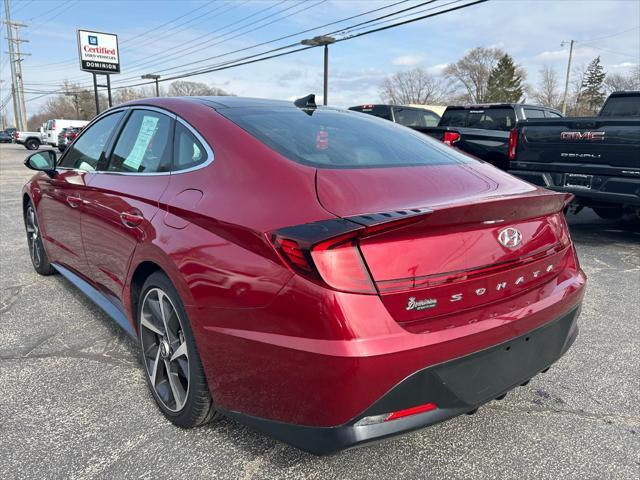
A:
{"x": 62, "y": 195}
{"x": 122, "y": 198}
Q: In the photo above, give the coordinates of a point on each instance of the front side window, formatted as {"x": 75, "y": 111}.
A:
{"x": 144, "y": 144}
{"x": 86, "y": 151}
{"x": 551, "y": 114}
{"x": 188, "y": 151}
{"x": 328, "y": 138}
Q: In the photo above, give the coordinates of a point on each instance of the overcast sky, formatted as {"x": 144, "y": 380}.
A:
{"x": 156, "y": 35}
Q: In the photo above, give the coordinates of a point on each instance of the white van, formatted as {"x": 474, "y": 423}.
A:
{"x": 55, "y": 126}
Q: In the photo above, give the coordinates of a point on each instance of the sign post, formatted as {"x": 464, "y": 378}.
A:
{"x": 98, "y": 53}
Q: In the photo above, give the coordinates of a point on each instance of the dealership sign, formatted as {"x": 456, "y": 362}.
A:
{"x": 98, "y": 52}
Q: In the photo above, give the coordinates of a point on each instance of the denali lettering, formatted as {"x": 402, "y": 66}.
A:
{"x": 596, "y": 136}
{"x": 580, "y": 155}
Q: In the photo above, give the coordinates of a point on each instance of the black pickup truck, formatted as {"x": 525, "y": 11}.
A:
{"x": 483, "y": 130}
{"x": 595, "y": 158}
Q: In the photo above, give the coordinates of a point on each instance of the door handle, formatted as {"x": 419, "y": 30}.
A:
{"x": 73, "y": 201}
{"x": 131, "y": 219}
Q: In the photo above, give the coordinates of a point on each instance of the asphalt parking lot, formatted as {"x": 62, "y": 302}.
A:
{"x": 74, "y": 404}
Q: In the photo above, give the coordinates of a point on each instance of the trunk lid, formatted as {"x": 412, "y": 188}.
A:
{"x": 614, "y": 142}
{"x": 451, "y": 258}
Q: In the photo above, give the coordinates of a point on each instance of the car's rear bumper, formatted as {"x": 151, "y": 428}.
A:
{"x": 457, "y": 386}
{"x": 605, "y": 189}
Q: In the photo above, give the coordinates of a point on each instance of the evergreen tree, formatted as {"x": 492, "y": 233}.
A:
{"x": 592, "y": 89}
{"x": 505, "y": 82}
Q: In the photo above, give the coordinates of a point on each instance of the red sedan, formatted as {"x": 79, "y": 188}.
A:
{"x": 322, "y": 275}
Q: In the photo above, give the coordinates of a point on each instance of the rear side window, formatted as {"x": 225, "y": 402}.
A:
{"x": 625, "y": 106}
{"x": 381, "y": 111}
{"x": 144, "y": 144}
{"x": 412, "y": 117}
{"x": 533, "y": 113}
{"x": 188, "y": 151}
{"x": 340, "y": 139}
{"x": 86, "y": 151}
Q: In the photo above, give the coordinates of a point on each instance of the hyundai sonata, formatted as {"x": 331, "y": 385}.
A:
{"x": 322, "y": 275}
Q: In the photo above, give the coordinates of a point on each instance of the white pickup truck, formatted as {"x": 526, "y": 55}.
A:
{"x": 30, "y": 140}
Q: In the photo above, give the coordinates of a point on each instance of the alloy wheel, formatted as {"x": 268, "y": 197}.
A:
{"x": 33, "y": 237}
{"x": 164, "y": 349}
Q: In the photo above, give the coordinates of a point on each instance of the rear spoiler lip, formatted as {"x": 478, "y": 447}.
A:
{"x": 310, "y": 234}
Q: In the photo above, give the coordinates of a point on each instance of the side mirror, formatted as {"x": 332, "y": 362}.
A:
{"x": 42, "y": 161}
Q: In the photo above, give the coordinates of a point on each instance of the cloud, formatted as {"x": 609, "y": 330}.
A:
{"x": 408, "y": 60}
{"x": 437, "y": 69}
{"x": 623, "y": 65}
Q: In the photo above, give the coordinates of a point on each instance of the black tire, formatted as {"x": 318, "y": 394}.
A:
{"x": 609, "y": 213}
{"x": 32, "y": 144}
{"x": 61, "y": 149}
{"x": 38, "y": 255}
{"x": 197, "y": 406}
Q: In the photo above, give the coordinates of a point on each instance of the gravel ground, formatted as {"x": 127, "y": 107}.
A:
{"x": 74, "y": 404}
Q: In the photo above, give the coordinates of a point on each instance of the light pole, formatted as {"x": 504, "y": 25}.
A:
{"x": 325, "y": 41}
{"x": 152, "y": 76}
{"x": 566, "y": 82}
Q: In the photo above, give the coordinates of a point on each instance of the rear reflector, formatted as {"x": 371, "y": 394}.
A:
{"x": 450, "y": 137}
{"x": 513, "y": 143}
{"x": 388, "y": 417}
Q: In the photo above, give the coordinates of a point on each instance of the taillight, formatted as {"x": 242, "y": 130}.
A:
{"x": 17, "y": 135}
{"x": 513, "y": 143}
{"x": 336, "y": 262}
{"x": 327, "y": 252}
{"x": 341, "y": 266}
{"x": 450, "y": 137}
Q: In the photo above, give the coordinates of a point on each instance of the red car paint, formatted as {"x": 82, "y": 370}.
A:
{"x": 275, "y": 344}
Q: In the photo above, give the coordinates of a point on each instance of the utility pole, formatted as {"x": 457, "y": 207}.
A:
{"x": 15, "y": 61}
{"x": 153, "y": 76}
{"x": 566, "y": 82}
{"x": 322, "y": 41}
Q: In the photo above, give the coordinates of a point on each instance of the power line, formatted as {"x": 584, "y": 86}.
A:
{"x": 293, "y": 35}
{"x": 281, "y": 38}
{"x": 178, "y": 54}
{"x": 260, "y": 56}
{"x": 583, "y": 42}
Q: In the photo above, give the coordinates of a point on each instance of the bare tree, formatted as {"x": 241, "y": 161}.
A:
{"x": 471, "y": 73}
{"x": 620, "y": 81}
{"x": 413, "y": 86}
{"x": 181, "y": 88}
{"x": 548, "y": 91}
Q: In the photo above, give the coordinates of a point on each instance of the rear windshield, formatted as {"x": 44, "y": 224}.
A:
{"x": 382, "y": 111}
{"x": 340, "y": 139}
{"x": 625, "y": 106}
{"x": 485, "y": 119}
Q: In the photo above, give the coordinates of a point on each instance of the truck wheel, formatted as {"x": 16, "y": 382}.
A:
{"x": 608, "y": 213}
{"x": 32, "y": 144}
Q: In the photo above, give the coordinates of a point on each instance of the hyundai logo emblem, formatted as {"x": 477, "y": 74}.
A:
{"x": 510, "y": 237}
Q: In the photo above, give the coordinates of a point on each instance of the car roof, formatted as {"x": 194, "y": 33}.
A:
{"x": 239, "y": 102}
